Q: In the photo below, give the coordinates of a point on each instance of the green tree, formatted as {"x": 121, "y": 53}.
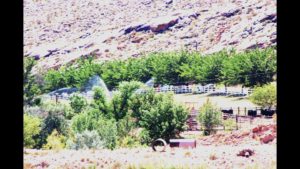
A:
{"x": 121, "y": 99}
{"x": 75, "y": 75}
{"x": 250, "y": 68}
{"x": 137, "y": 69}
{"x": 192, "y": 69}
{"x": 142, "y": 101}
{"x": 265, "y": 96}
{"x": 113, "y": 73}
{"x": 100, "y": 102}
{"x": 211, "y": 69}
{"x": 209, "y": 117}
{"x": 32, "y": 128}
{"x": 165, "y": 119}
{"x": 166, "y": 67}
{"x": 31, "y": 88}
{"x": 55, "y": 79}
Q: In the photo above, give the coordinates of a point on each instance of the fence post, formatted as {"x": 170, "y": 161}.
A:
{"x": 238, "y": 110}
{"x": 236, "y": 121}
{"x": 245, "y": 111}
{"x": 56, "y": 98}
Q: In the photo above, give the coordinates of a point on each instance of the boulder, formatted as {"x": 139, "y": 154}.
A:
{"x": 271, "y": 17}
{"x": 168, "y": 1}
{"x": 268, "y": 138}
{"x": 163, "y": 23}
{"x": 246, "y": 153}
{"x": 146, "y": 2}
{"x": 231, "y": 13}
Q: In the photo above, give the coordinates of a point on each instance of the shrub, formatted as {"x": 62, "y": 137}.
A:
{"x": 128, "y": 142}
{"x": 144, "y": 137}
{"x": 32, "y": 127}
{"x": 264, "y": 96}
{"x": 35, "y": 111}
{"x": 125, "y": 125}
{"x": 164, "y": 119}
{"x": 55, "y": 141}
{"x": 60, "y": 108}
{"x": 108, "y": 132}
{"x": 52, "y": 122}
{"x": 86, "y": 140}
{"x": 78, "y": 103}
{"x": 209, "y": 117}
{"x": 88, "y": 120}
{"x": 229, "y": 124}
{"x": 93, "y": 120}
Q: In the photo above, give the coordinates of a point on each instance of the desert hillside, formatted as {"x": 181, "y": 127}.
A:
{"x": 118, "y": 29}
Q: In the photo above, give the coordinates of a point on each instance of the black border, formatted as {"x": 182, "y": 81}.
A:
{"x": 287, "y": 106}
{"x": 12, "y": 79}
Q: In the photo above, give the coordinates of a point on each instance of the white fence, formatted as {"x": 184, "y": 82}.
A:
{"x": 210, "y": 88}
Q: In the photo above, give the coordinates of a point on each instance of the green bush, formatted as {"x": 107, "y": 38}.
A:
{"x": 229, "y": 124}
{"x": 265, "y": 96}
{"x": 144, "y": 137}
{"x": 125, "y": 125}
{"x": 108, "y": 132}
{"x": 55, "y": 141}
{"x": 93, "y": 120}
{"x": 128, "y": 142}
{"x": 32, "y": 127}
{"x": 78, "y": 103}
{"x": 209, "y": 117}
{"x": 88, "y": 120}
{"x": 86, "y": 140}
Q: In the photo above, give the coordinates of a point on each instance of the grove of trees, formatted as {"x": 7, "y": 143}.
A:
{"x": 249, "y": 68}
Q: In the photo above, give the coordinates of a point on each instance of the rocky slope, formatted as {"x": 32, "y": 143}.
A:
{"x": 57, "y": 32}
